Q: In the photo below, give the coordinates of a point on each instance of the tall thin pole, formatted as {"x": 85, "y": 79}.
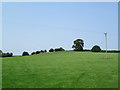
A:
{"x": 106, "y": 42}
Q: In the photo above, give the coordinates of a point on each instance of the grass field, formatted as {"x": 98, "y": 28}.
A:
{"x": 67, "y": 69}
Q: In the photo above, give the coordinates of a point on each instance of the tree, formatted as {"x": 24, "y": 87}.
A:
{"x": 33, "y": 53}
{"x": 25, "y": 54}
{"x": 45, "y": 51}
{"x": 51, "y": 50}
{"x": 59, "y": 49}
{"x": 3, "y": 55}
{"x": 37, "y": 52}
{"x": 1, "y": 51}
{"x": 6, "y": 54}
{"x": 9, "y": 54}
{"x": 78, "y": 45}
{"x": 96, "y": 48}
{"x": 42, "y": 51}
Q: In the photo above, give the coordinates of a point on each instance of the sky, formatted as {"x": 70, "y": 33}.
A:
{"x": 34, "y": 26}
{"x": 0, "y": 25}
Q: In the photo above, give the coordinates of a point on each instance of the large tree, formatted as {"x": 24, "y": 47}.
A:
{"x": 78, "y": 45}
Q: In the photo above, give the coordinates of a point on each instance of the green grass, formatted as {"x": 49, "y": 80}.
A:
{"x": 67, "y": 69}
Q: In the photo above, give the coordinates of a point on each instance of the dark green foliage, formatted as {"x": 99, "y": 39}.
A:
{"x": 111, "y": 51}
{"x": 37, "y": 52}
{"x": 51, "y": 50}
{"x": 10, "y": 54}
{"x": 87, "y": 50}
{"x": 45, "y": 51}
{"x": 42, "y": 51}
{"x": 80, "y": 48}
{"x": 59, "y": 49}
{"x": 1, "y": 51}
{"x": 3, "y": 55}
{"x": 96, "y": 48}
{"x": 33, "y": 53}
{"x": 0, "y": 54}
{"x": 25, "y": 54}
{"x": 62, "y": 49}
{"x": 78, "y": 45}
{"x": 6, "y": 54}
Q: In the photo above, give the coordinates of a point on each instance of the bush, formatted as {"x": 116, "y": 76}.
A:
{"x": 96, "y": 48}
{"x": 1, "y": 51}
{"x": 6, "y": 54}
{"x": 51, "y": 50}
{"x": 111, "y": 51}
{"x": 56, "y": 49}
{"x": 25, "y": 54}
{"x": 86, "y": 50}
{"x": 45, "y": 51}
{"x": 37, "y": 52}
{"x": 10, "y": 54}
{"x": 59, "y": 49}
{"x": 0, "y": 54}
{"x": 42, "y": 51}
{"x": 62, "y": 49}
{"x": 33, "y": 53}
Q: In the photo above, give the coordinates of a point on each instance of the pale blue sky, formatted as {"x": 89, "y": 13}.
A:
{"x": 35, "y": 26}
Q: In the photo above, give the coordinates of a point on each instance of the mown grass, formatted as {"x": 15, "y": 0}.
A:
{"x": 67, "y": 69}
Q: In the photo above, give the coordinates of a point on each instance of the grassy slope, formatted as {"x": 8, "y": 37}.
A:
{"x": 61, "y": 70}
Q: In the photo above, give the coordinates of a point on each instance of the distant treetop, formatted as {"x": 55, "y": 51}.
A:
{"x": 1, "y": 51}
{"x": 96, "y": 48}
{"x": 78, "y": 45}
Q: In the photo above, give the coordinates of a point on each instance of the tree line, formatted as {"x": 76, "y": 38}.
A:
{"x": 5, "y": 54}
{"x": 78, "y": 45}
{"x": 43, "y": 51}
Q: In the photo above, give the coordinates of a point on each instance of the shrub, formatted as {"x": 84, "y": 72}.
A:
{"x": 111, "y": 51}
{"x": 25, "y": 54}
{"x": 62, "y": 49}
{"x": 56, "y": 49}
{"x": 59, "y": 49}
{"x": 6, "y": 54}
{"x": 51, "y": 50}
{"x": 86, "y": 50}
{"x": 37, "y": 52}
{"x": 1, "y": 51}
{"x": 33, "y": 53}
{"x": 0, "y": 54}
{"x": 96, "y": 48}
{"x": 42, "y": 51}
{"x": 10, "y": 54}
{"x": 45, "y": 50}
